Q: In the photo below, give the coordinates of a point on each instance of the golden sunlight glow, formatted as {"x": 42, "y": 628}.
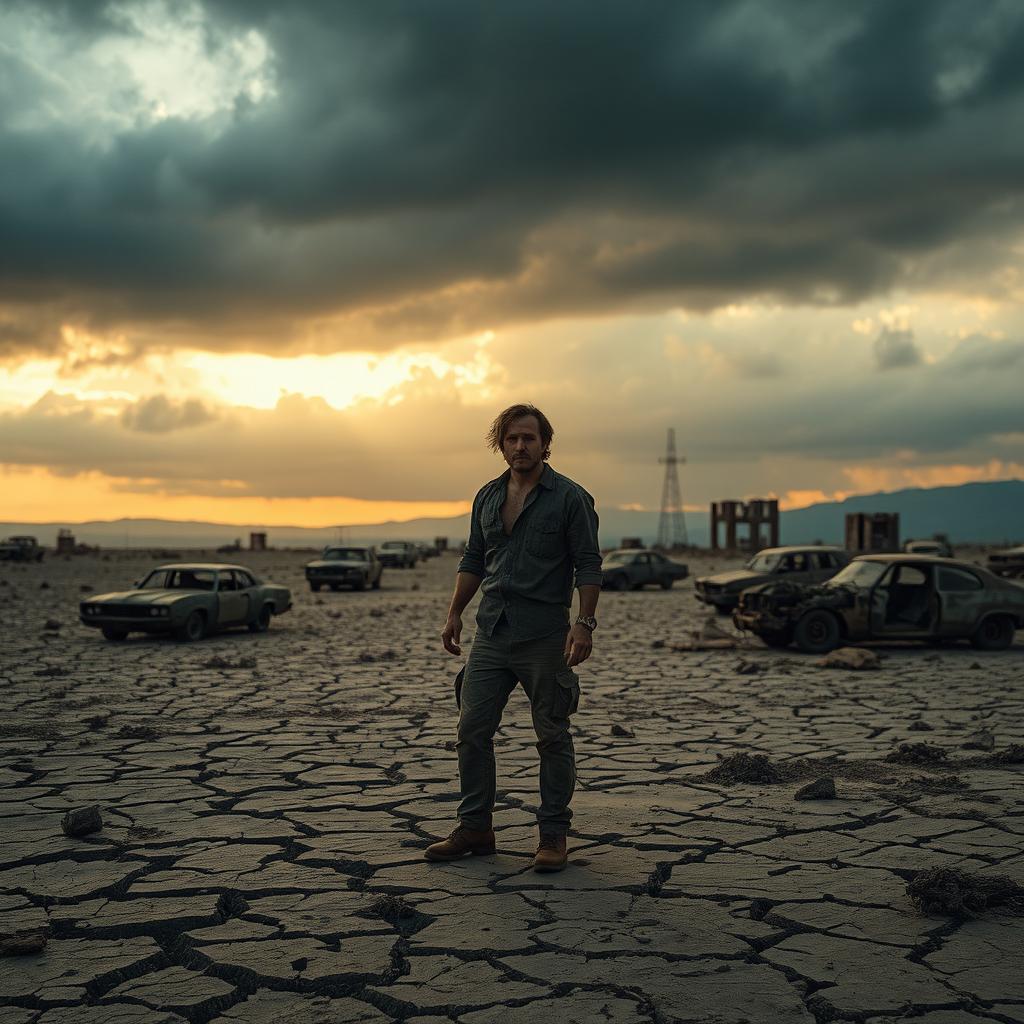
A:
{"x": 29, "y": 498}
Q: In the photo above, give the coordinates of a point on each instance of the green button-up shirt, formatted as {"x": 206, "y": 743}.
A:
{"x": 529, "y": 575}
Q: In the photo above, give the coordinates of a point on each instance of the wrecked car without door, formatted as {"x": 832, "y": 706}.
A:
{"x": 188, "y": 601}
{"x": 887, "y": 597}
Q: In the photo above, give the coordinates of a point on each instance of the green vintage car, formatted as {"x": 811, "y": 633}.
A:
{"x": 189, "y": 601}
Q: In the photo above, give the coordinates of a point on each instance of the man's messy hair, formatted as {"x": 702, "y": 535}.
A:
{"x": 504, "y": 420}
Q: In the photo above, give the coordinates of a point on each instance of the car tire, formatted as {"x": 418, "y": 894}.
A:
{"x": 994, "y": 633}
{"x": 777, "y": 637}
{"x": 723, "y": 609}
{"x": 620, "y": 583}
{"x": 114, "y": 635}
{"x": 262, "y": 621}
{"x": 376, "y": 583}
{"x": 359, "y": 584}
{"x": 666, "y": 584}
{"x": 193, "y": 628}
{"x": 817, "y": 632}
{"x": 315, "y": 587}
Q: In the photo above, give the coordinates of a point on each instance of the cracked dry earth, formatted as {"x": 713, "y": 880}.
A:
{"x": 260, "y": 860}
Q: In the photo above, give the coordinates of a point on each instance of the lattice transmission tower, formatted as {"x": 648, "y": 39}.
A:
{"x": 672, "y": 524}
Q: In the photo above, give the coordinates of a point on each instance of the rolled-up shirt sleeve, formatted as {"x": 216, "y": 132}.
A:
{"x": 582, "y": 526}
{"x": 472, "y": 560}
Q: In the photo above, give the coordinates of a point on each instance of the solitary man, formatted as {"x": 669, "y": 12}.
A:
{"x": 533, "y": 537}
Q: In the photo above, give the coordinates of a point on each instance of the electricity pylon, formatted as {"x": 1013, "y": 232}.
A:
{"x": 672, "y": 524}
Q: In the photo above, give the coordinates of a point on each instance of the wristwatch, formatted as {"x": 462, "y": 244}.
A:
{"x": 587, "y": 620}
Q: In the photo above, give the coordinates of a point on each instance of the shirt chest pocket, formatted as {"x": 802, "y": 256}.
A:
{"x": 544, "y": 538}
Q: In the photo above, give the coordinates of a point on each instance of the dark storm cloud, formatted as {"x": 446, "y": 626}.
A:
{"x": 896, "y": 349}
{"x": 560, "y": 158}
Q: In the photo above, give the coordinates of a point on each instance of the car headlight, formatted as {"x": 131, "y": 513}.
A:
{"x": 154, "y": 611}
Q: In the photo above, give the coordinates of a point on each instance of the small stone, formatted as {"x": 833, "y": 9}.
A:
{"x": 44, "y": 585}
{"x": 920, "y": 725}
{"x": 621, "y": 730}
{"x": 983, "y": 739}
{"x": 82, "y": 821}
{"x": 52, "y": 624}
{"x": 657, "y": 644}
{"x": 747, "y": 668}
{"x": 85, "y": 588}
{"x": 975, "y": 666}
{"x": 821, "y": 789}
{"x": 23, "y": 943}
{"x": 855, "y": 658}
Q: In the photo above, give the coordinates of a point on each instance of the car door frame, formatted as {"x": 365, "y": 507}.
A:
{"x": 878, "y": 630}
{"x": 232, "y": 605}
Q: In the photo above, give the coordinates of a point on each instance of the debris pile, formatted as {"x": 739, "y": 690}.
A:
{"x": 949, "y": 891}
{"x": 917, "y": 753}
{"x": 856, "y": 659}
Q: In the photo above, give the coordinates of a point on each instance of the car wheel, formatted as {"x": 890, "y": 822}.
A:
{"x": 116, "y": 635}
{"x": 994, "y": 634}
{"x": 666, "y": 584}
{"x": 817, "y": 632}
{"x": 262, "y": 623}
{"x": 620, "y": 583}
{"x": 376, "y": 583}
{"x": 194, "y": 627}
{"x": 335, "y": 587}
{"x": 315, "y": 587}
{"x": 777, "y": 637}
{"x": 359, "y": 584}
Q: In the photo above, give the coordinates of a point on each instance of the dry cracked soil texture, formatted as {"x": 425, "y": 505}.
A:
{"x": 261, "y": 855}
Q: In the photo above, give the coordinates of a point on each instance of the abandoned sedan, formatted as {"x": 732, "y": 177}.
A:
{"x": 812, "y": 564}
{"x": 357, "y": 568}
{"x": 887, "y": 597}
{"x": 1008, "y": 563}
{"x": 188, "y": 601}
{"x": 632, "y": 569}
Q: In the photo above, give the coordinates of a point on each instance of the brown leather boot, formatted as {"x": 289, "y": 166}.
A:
{"x": 461, "y": 842}
{"x": 551, "y": 855}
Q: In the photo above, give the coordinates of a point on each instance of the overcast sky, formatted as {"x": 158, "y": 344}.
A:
{"x": 288, "y": 260}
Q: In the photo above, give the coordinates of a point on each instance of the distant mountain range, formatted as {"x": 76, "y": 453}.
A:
{"x": 984, "y": 513}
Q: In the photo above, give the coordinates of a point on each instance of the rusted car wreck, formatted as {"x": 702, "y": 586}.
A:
{"x": 887, "y": 597}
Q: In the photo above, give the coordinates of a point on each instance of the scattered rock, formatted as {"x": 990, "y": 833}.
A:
{"x": 821, "y": 789}
{"x": 82, "y": 821}
{"x": 23, "y": 943}
{"x": 98, "y": 721}
{"x": 855, "y": 658}
{"x": 975, "y": 666}
{"x": 44, "y": 585}
{"x": 959, "y": 894}
{"x": 1013, "y": 754}
{"x": 748, "y": 668}
{"x": 621, "y": 730}
{"x": 983, "y": 739}
{"x": 920, "y": 725}
{"x": 137, "y": 732}
{"x": 657, "y": 644}
{"x": 415, "y": 586}
{"x": 368, "y": 656}
{"x": 450, "y": 744}
{"x": 744, "y": 768}
{"x": 218, "y": 662}
{"x": 85, "y": 588}
{"x": 917, "y": 753}
{"x": 52, "y": 624}
{"x": 52, "y": 672}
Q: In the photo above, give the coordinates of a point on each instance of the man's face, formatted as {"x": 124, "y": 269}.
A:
{"x": 522, "y": 447}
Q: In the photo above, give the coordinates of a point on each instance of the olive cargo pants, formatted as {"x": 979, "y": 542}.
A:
{"x": 494, "y": 667}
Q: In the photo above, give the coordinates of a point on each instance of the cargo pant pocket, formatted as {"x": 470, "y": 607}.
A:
{"x": 568, "y": 696}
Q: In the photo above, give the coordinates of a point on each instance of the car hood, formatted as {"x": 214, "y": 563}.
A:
{"x": 336, "y": 563}
{"x": 143, "y": 597}
{"x": 742, "y": 577}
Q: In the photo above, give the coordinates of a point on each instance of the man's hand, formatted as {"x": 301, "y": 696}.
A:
{"x": 578, "y": 645}
{"x": 451, "y": 633}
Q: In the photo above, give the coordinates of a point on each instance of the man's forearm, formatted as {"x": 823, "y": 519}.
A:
{"x": 589, "y": 593}
{"x": 466, "y": 585}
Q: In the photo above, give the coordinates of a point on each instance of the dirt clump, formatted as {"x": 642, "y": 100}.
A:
{"x": 959, "y": 894}
{"x": 917, "y": 753}
{"x": 820, "y": 789}
{"x": 744, "y": 768}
